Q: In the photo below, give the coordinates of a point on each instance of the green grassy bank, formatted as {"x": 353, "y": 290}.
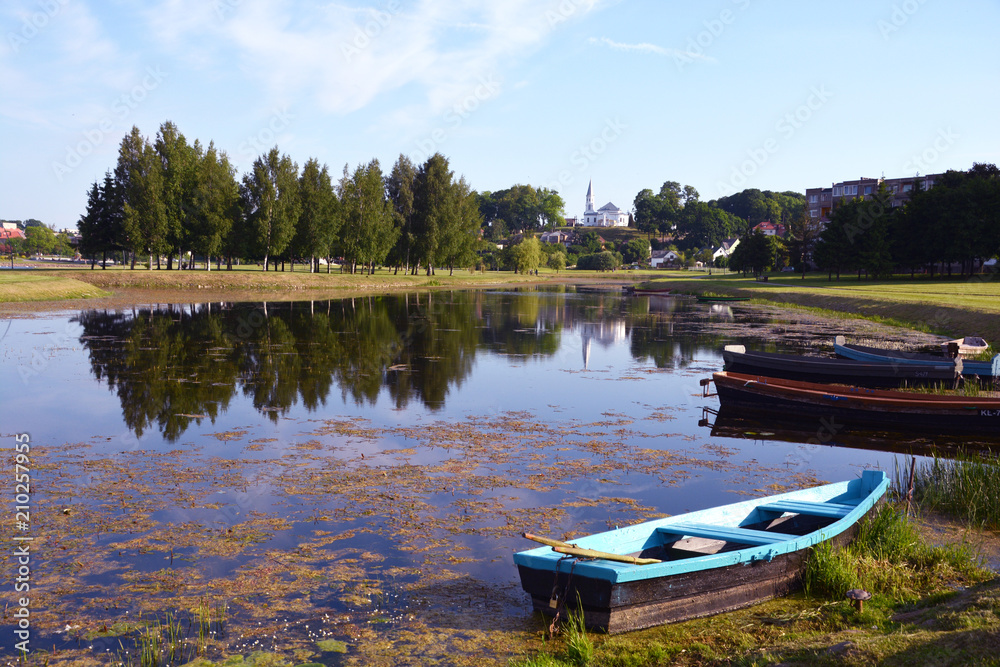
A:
{"x": 948, "y": 306}
{"x": 17, "y": 286}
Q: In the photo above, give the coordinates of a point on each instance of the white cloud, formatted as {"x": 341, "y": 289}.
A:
{"x": 346, "y": 56}
{"x": 645, "y": 47}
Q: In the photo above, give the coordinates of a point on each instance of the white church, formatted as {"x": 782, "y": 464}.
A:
{"x": 608, "y": 215}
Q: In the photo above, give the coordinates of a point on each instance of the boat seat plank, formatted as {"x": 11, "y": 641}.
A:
{"x": 725, "y": 533}
{"x": 831, "y": 510}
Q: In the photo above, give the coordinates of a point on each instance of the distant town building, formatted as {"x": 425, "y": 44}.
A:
{"x": 768, "y": 228}
{"x": 608, "y": 215}
{"x": 822, "y": 201}
{"x": 556, "y": 237}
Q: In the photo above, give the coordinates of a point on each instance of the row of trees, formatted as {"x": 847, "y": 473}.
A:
{"x": 170, "y": 198}
{"x": 954, "y": 223}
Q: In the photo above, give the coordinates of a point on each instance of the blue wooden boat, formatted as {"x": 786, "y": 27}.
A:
{"x": 984, "y": 369}
{"x": 710, "y": 561}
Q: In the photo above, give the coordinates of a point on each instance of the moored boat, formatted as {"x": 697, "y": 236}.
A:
{"x": 706, "y": 298}
{"x": 948, "y": 413}
{"x": 837, "y": 370}
{"x": 984, "y": 369}
{"x": 970, "y": 345}
{"x": 708, "y": 561}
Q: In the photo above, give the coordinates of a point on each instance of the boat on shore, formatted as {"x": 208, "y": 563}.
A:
{"x": 708, "y": 298}
{"x": 984, "y": 369}
{"x": 948, "y": 413}
{"x": 970, "y": 345}
{"x": 838, "y": 370}
{"x": 695, "y": 564}
{"x": 654, "y": 291}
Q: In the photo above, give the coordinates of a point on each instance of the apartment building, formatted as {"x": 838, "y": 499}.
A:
{"x": 822, "y": 201}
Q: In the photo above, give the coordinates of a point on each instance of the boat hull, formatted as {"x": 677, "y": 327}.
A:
{"x": 713, "y": 560}
{"x": 983, "y": 369}
{"x": 617, "y": 608}
{"x": 901, "y": 410}
{"x": 844, "y": 371}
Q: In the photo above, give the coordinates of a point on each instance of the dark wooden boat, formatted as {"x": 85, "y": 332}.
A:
{"x": 984, "y": 369}
{"x": 711, "y": 561}
{"x": 707, "y": 298}
{"x": 838, "y": 370}
{"x": 949, "y": 413}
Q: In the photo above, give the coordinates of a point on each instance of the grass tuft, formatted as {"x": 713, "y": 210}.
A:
{"x": 888, "y": 558}
{"x": 966, "y": 487}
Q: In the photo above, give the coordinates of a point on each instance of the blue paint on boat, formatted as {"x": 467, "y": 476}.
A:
{"x": 849, "y": 500}
{"x": 871, "y": 354}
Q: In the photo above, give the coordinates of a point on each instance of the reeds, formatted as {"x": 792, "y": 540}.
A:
{"x": 966, "y": 487}
{"x": 169, "y": 642}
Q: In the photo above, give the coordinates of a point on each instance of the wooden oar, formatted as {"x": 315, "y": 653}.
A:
{"x": 573, "y": 550}
{"x": 604, "y": 555}
{"x": 547, "y": 541}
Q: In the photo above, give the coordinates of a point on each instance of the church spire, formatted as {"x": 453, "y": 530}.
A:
{"x": 590, "y": 196}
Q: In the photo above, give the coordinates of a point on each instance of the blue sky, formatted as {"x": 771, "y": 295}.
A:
{"x": 721, "y": 95}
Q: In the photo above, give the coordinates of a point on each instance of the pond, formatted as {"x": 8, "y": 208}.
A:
{"x": 345, "y": 481}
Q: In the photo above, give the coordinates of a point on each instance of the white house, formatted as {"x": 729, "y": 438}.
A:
{"x": 726, "y": 249}
{"x": 608, "y": 215}
{"x": 661, "y": 257}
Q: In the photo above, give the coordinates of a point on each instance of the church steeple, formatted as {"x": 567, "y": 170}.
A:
{"x": 590, "y": 196}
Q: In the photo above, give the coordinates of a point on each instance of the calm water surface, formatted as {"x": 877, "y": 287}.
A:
{"x": 399, "y": 445}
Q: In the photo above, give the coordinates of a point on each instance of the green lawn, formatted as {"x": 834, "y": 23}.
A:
{"x": 26, "y": 285}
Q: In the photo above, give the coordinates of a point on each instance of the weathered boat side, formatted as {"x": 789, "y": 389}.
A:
{"x": 821, "y": 369}
{"x": 904, "y": 410}
{"x": 649, "y": 602}
{"x": 718, "y": 572}
{"x": 983, "y": 369}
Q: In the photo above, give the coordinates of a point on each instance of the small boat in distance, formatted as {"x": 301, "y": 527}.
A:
{"x": 838, "y": 370}
{"x": 706, "y": 298}
{"x": 699, "y": 563}
{"x": 648, "y": 290}
{"x": 969, "y": 346}
{"x": 947, "y": 413}
{"x": 984, "y": 369}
